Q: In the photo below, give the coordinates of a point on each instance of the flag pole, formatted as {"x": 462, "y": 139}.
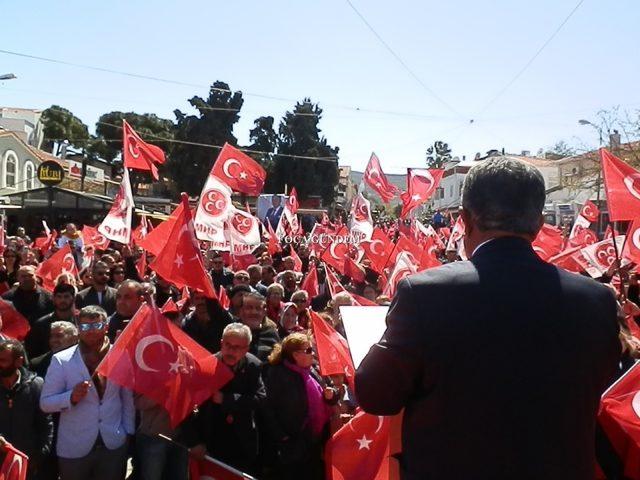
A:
{"x": 210, "y": 459}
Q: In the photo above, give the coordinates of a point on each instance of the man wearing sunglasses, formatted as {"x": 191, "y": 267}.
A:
{"x": 100, "y": 293}
{"x": 96, "y": 415}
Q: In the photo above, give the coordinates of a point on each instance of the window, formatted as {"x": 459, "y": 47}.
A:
{"x": 451, "y": 190}
{"x": 29, "y": 175}
{"x": 10, "y": 178}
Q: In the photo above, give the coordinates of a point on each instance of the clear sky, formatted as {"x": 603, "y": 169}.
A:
{"x": 465, "y": 51}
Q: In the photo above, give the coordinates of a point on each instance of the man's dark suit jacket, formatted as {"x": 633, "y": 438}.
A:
{"x": 499, "y": 362}
{"x": 89, "y": 296}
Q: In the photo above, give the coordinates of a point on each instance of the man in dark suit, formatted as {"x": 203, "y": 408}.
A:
{"x": 274, "y": 212}
{"x": 100, "y": 293}
{"x": 499, "y": 362}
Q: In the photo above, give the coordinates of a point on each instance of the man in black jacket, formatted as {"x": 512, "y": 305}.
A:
{"x": 28, "y": 298}
{"x": 226, "y": 424}
{"x": 100, "y": 293}
{"x": 22, "y": 423}
{"x": 129, "y": 297}
{"x": 264, "y": 332}
{"x": 499, "y": 362}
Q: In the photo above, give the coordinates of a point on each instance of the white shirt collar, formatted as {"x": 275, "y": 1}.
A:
{"x": 482, "y": 245}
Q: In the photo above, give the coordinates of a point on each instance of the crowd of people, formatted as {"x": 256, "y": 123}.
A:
{"x": 271, "y": 420}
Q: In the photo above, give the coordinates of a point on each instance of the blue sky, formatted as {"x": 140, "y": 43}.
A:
{"x": 464, "y": 50}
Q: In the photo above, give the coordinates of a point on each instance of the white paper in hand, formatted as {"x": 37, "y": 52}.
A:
{"x": 364, "y": 326}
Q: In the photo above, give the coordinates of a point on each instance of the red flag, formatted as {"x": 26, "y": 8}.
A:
{"x": 404, "y": 266}
{"x": 15, "y": 464}
{"x": 622, "y": 184}
{"x": 297, "y": 262}
{"x": 116, "y": 225}
{"x": 211, "y": 469}
{"x": 138, "y": 154}
{"x": 429, "y": 257}
{"x": 142, "y": 230}
{"x": 157, "y": 359}
{"x": 406, "y": 244}
{"x": 223, "y": 298}
{"x": 336, "y": 252}
{"x": 590, "y": 211}
{"x": 421, "y": 183}
{"x": 310, "y": 282}
{"x": 548, "y": 242}
{"x": 44, "y": 244}
{"x": 567, "y": 260}
{"x": 353, "y": 270}
{"x": 377, "y": 180}
{"x": 360, "y": 449}
{"x": 292, "y": 204}
{"x": 141, "y": 265}
{"x": 184, "y": 298}
{"x": 333, "y": 351}
{"x": 155, "y": 241}
{"x": 378, "y": 249}
{"x": 60, "y": 262}
{"x": 14, "y": 325}
{"x": 619, "y": 417}
{"x": 273, "y": 245}
{"x": 180, "y": 261}
{"x": 238, "y": 170}
{"x": 93, "y": 238}
{"x": 631, "y": 249}
{"x": 242, "y": 262}
{"x": 362, "y": 301}
{"x": 600, "y": 256}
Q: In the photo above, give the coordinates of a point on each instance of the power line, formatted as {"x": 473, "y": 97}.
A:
{"x": 531, "y": 60}
{"x": 402, "y": 62}
{"x": 224, "y": 90}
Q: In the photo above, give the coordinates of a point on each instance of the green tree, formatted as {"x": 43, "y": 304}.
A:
{"x": 560, "y": 150}
{"x": 438, "y": 154}
{"x": 60, "y": 124}
{"x": 213, "y": 125}
{"x": 299, "y": 135}
{"x": 263, "y": 139}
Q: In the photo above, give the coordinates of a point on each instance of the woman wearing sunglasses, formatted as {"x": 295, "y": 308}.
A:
{"x": 11, "y": 265}
{"x": 298, "y": 408}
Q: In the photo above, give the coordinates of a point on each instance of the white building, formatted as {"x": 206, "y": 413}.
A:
{"x": 24, "y": 122}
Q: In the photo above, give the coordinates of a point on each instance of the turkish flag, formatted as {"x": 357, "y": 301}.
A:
{"x": 180, "y": 261}
{"x": 223, "y": 298}
{"x": 157, "y": 238}
{"x": 297, "y": 262}
{"x": 157, "y": 359}
{"x": 142, "y": 230}
{"x": 619, "y": 417}
{"x": 138, "y": 154}
{"x": 429, "y": 258}
{"x": 93, "y": 238}
{"x": 622, "y": 184}
{"x": 334, "y": 356}
{"x": 170, "y": 306}
{"x": 14, "y": 325}
{"x": 337, "y": 250}
{"x": 310, "y": 282}
{"x": 548, "y": 242}
{"x": 273, "y": 245}
{"x": 581, "y": 234}
{"x": 590, "y": 211}
{"x": 378, "y": 249}
{"x": 44, "y": 244}
{"x": 60, "y": 262}
{"x": 353, "y": 270}
{"x": 211, "y": 469}
{"x": 360, "y": 449}
{"x": 242, "y": 262}
{"x": 238, "y": 170}
{"x": 375, "y": 178}
{"x": 631, "y": 249}
{"x": 567, "y": 260}
{"x": 15, "y": 464}
{"x": 116, "y": 225}
{"x": 404, "y": 266}
{"x": 421, "y": 183}
{"x": 406, "y": 244}
{"x": 141, "y": 265}
{"x": 455, "y": 235}
{"x": 291, "y": 205}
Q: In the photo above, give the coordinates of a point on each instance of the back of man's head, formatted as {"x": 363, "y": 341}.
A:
{"x": 504, "y": 195}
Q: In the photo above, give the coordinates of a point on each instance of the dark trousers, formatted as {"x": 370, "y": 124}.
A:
{"x": 99, "y": 464}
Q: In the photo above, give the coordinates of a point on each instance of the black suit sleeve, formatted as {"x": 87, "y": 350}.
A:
{"x": 389, "y": 374}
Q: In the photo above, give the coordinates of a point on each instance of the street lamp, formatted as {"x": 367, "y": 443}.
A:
{"x": 599, "y": 180}
{"x": 7, "y": 76}
{"x": 598, "y": 129}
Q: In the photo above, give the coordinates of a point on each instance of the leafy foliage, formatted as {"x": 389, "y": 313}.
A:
{"x": 438, "y": 154}
{"x": 60, "y": 124}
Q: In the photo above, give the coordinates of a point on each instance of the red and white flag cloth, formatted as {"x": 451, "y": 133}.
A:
{"x": 138, "y": 154}
{"x": 212, "y": 469}
{"x": 375, "y": 178}
{"x": 157, "y": 238}
{"x": 273, "y": 243}
{"x": 361, "y": 221}
{"x": 117, "y": 224}
{"x": 213, "y": 210}
{"x": 91, "y": 237}
{"x": 581, "y": 234}
{"x": 290, "y": 211}
{"x": 548, "y": 243}
{"x": 239, "y": 171}
{"x": 180, "y": 261}
{"x": 590, "y": 211}
{"x": 142, "y": 230}
{"x": 155, "y": 358}
{"x": 631, "y": 249}
{"x": 404, "y": 266}
{"x": 310, "y": 282}
{"x": 242, "y": 231}
{"x": 421, "y": 183}
{"x": 378, "y": 249}
{"x": 14, "y": 325}
{"x": 622, "y": 184}
{"x": 15, "y": 464}
{"x": 334, "y": 356}
{"x": 619, "y": 417}
{"x": 337, "y": 250}
{"x": 60, "y": 262}
{"x": 360, "y": 449}
{"x": 600, "y": 256}
{"x": 456, "y": 235}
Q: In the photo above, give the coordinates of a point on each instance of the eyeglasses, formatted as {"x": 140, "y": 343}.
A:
{"x": 86, "y": 327}
{"x": 308, "y": 351}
